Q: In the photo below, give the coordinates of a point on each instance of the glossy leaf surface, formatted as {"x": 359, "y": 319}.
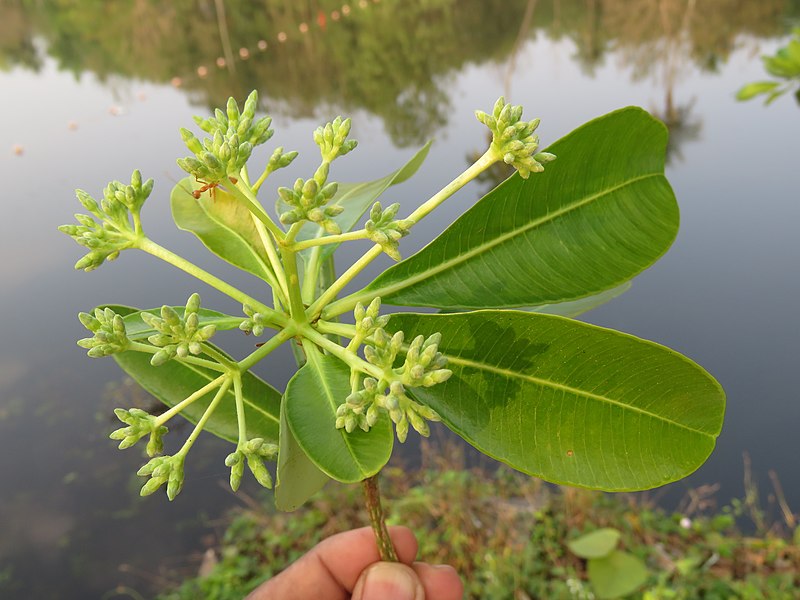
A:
{"x": 596, "y": 217}
{"x": 222, "y": 223}
{"x": 298, "y": 478}
{"x": 172, "y": 382}
{"x": 312, "y": 397}
{"x": 570, "y": 402}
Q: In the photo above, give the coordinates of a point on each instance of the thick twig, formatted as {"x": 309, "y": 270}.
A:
{"x": 372, "y": 498}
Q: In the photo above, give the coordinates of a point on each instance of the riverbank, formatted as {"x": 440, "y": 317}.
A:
{"x": 508, "y": 535}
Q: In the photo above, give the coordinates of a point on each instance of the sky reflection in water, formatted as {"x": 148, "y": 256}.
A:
{"x": 724, "y": 295}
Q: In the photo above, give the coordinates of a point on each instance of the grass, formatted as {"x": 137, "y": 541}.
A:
{"x": 506, "y": 534}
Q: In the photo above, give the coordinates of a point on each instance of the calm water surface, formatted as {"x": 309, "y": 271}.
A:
{"x": 88, "y": 94}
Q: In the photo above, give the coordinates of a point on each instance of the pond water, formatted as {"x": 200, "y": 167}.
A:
{"x": 88, "y": 93}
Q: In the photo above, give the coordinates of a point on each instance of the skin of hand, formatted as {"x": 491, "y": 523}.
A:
{"x": 347, "y": 566}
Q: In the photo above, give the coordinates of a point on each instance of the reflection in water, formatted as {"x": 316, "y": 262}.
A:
{"x": 387, "y": 57}
{"x": 396, "y": 60}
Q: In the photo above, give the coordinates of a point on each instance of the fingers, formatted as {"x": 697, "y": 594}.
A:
{"x": 332, "y": 568}
{"x": 441, "y": 582}
{"x": 389, "y": 581}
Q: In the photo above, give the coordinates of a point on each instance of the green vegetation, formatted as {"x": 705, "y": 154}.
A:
{"x": 509, "y": 537}
{"x": 391, "y": 59}
{"x": 784, "y": 66}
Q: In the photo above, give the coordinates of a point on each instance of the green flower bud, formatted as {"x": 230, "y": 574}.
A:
{"x": 513, "y": 140}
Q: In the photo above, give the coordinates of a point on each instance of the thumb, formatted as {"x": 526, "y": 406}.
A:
{"x": 388, "y": 581}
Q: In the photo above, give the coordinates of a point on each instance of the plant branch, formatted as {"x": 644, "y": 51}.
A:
{"x": 372, "y": 498}
{"x": 206, "y": 416}
{"x": 164, "y": 417}
{"x": 351, "y": 359}
{"x": 279, "y": 284}
{"x": 296, "y": 307}
{"x": 360, "y": 234}
{"x": 248, "y": 198}
{"x": 267, "y": 347}
{"x": 192, "y": 360}
{"x": 147, "y": 245}
{"x": 325, "y": 305}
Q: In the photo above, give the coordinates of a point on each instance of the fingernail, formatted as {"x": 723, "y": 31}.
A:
{"x": 390, "y": 580}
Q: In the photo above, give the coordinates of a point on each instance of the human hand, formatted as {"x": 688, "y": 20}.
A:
{"x": 347, "y": 566}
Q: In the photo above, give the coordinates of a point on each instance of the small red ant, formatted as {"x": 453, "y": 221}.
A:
{"x": 209, "y": 187}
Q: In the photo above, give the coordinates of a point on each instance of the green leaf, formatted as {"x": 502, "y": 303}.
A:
{"x": 616, "y": 575}
{"x": 173, "y": 381}
{"x": 223, "y": 224}
{"x": 782, "y": 64}
{"x": 596, "y": 544}
{"x": 569, "y": 402}
{"x": 596, "y": 217}
{"x": 137, "y": 329}
{"x": 752, "y": 90}
{"x": 312, "y": 397}
{"x": 357, "y": 198}
{"x": 298, "y": 478}
{"x": 574, "y": 308}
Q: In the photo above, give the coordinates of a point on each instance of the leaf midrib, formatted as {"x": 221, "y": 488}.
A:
{"x": 566, "y": 388}
{"x": 450, "y": 263}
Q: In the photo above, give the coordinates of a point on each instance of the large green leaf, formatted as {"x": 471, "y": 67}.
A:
{"x": 298, "y": 478}
{"x": 597, "y": 544}
{"x": 570, "y": 402}
{"x": 223, "y": 224}
{"x": 312, "y": 397}
{"x": 357, "y": 198}
{"x": 596, "y": 217}
{"x": 137, "y": 329}
{"x": 616, "y": 575}
{"x": 173, "y": 381}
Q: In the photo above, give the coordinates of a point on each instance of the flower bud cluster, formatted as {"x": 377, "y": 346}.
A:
{"x": 176, "y": 335}
{"x": 280, "y": 159}
{"x": 110, "y": 231}
{"x": 332, "y": 139}
{"x": 110, "y": 335}
{"x": 255, "y": 322}
{"x": 161, "y": 470}
{"x": 513, "y": 139}
{"x": 308, "y": 199}
{"x": 384, "y": 230}
{"x": 253, "y": 452}
{"x": 233, "y": 134}
{"x": 139, "y": 424}
{"x": 424, "y": 366}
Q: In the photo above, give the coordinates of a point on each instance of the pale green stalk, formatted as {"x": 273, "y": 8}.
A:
{"x": 246, "y": 195}
{"x": 296, "y": 307}
{"x": 206, "y": 416}
{"x": 277, "y": 319}
{"x": 325, "y": 305}
{"x": 268, "y": 346}
{"x": 164, "y": 417}
{"x": 192, "y": 360}
{"x": 277, "y": 268}
{"x": 218, "y": 356}
{"x": 360, "y": 234}
{"x": 240, "y": 418}
{"x": 351, "y": 359}
{"x": 341, "y": 329}
{"x": 311, "y": 275}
